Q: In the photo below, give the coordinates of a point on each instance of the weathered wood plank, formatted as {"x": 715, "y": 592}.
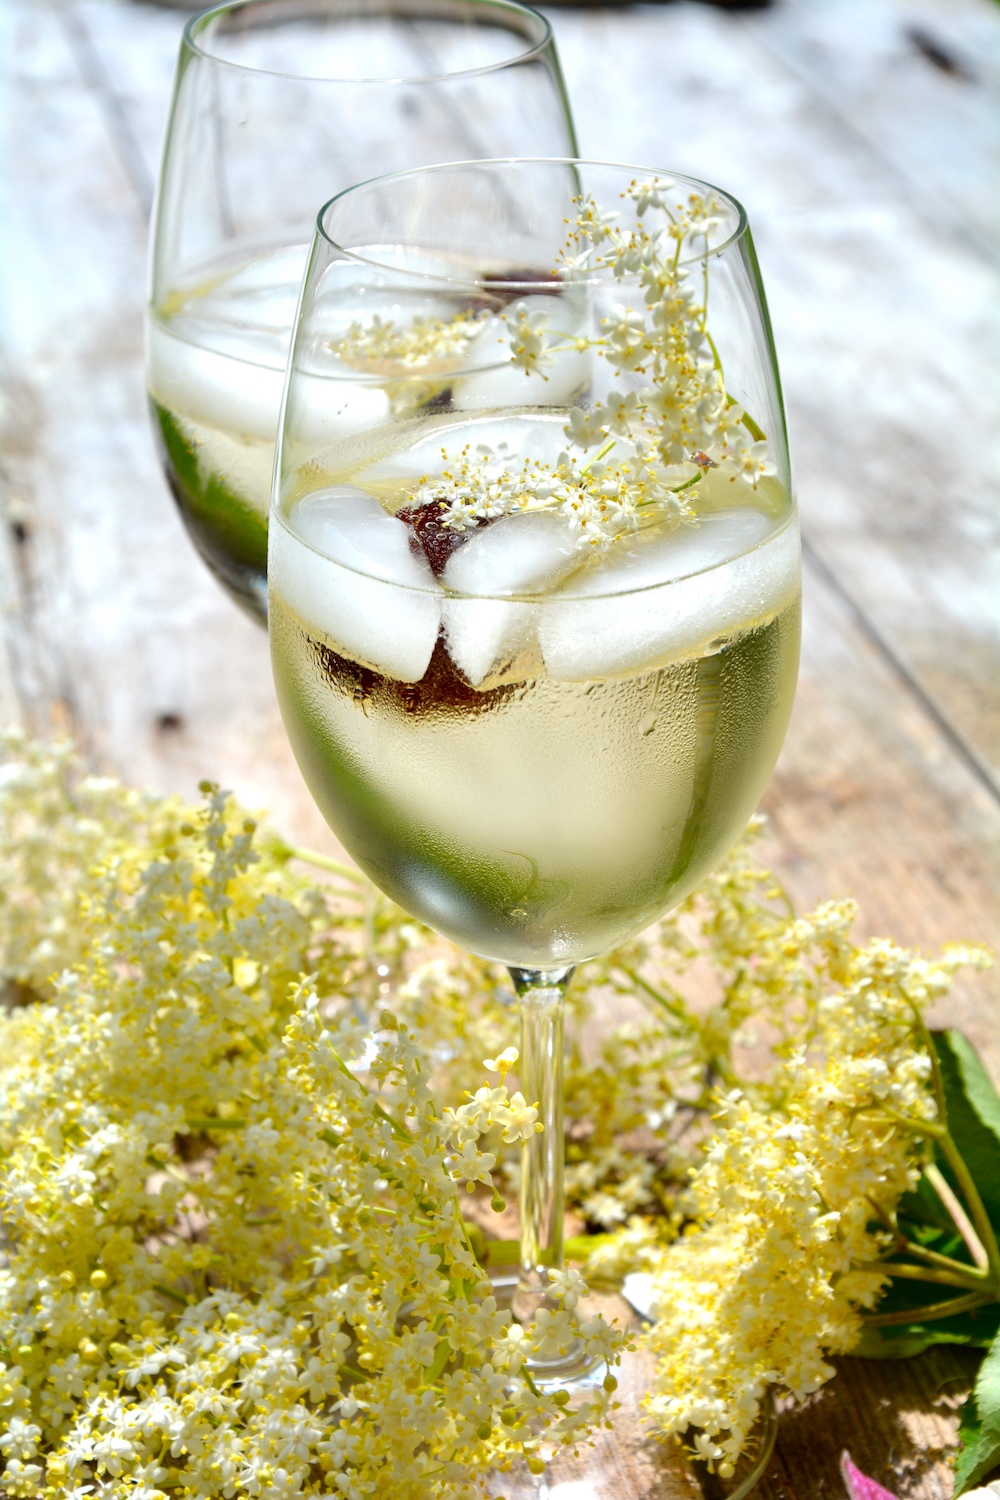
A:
{"x": 121, "y": 636}
{"x": 870, "y": 800}
{"x": 917, "y": 81}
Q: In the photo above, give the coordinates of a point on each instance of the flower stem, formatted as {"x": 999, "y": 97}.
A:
{"x": 971, "y": 1279}
{"x": 970, "y": 1192}
{"x": 931, "y": 1313}
{"x": 604, "y": 448}
{"x": 963, "y": 1224}
{"x": 322, "y": 862}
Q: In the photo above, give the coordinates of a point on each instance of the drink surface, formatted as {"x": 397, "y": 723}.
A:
{"x": 215, "y": 370}
{"x": 535, "y": 750}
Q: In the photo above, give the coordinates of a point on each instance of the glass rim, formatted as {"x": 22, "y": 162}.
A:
{"x": 738, "y": 233}
{"x": 563, "y": 595}
{"x": 199, "y": 23}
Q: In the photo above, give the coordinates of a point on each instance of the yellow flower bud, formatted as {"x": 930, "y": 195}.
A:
{"x": 98, "y": 1279}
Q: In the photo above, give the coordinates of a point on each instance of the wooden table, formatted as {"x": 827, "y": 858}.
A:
{"x": 864, "y": 138}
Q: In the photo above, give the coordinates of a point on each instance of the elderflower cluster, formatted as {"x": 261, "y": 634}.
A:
{"x": 664, "y": 435}
{"x": 235, "y": 1262}
{"x": 599, "y": 503}
{"x": 381, "y": 342}
{"x": 235, "y": 1259}
{"x": 420, "y": 355}
{"x": 797, "y": 1185}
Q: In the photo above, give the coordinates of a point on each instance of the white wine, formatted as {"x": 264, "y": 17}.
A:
{"x": 540, "y": 773}
{"x": 215, "y": 371}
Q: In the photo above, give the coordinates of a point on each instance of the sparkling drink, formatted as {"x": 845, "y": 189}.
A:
{"x": 276, "y": 105}
{"x": 535, "y": 776}
{"x": 215, "y": 364}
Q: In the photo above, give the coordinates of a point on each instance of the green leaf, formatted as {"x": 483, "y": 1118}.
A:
{"x": 924, "y": 1207}
{"x": 976, "y": 1330}
{"x": 973, "y": 1115}
{"x": 980, "y": 1434}
{"x": 898, "y": 1342}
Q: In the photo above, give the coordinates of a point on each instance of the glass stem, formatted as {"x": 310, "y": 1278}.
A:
{"x": 540, "y": 1070}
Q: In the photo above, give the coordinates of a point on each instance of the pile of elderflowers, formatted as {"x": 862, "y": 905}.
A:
{"x": 235, "y": 1262}
{"x": 240, "y": 1112}
{"x": 653, "y": 440}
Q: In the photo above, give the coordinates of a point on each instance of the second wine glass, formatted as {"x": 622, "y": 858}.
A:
{"x": 277, "y": 105}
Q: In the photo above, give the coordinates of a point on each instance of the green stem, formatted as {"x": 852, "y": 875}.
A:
{"x": 970, "y": 1192}
{"x": 674, "y": 1006}
{"x": 929, "y": 1314}
{"x": 757, "y": 433}
{"x": 605, "y": 448}
{"x": 323, "y": 862}
{"x": 399, "y": 1131}
{"x": 687, "y": 483}
{"x": 582, "y": 1246}
{"x": 895, "y": 1117}
{"x": 970, "y": 1279}
{"x": 982, "y": 1242}
{"x": 934, "y": 1258}
{"x": 974, "y": 1244}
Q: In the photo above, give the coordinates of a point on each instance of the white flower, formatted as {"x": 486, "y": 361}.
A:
{"x": 752, "y": 461}
{"x": 650, "y": 194}
{"x": 621, "y": 409}
{"x": 585, "y": 428}
{"x": 527, "y": 338}
{"x": 20, "y": 1440}
{"x": 627, "y": 345}
{"x": 520, "y": 1120}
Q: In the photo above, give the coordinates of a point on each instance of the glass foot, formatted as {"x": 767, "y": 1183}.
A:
{"x": 575, "y": 1371}
{"x": 627, "y": 1460}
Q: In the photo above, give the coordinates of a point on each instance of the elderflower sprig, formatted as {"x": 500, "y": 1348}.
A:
{"x": 667, "y": 433}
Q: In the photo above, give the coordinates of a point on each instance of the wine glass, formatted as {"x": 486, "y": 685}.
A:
{"x": 534, "y": 569}
{"x": 277, "y": 105}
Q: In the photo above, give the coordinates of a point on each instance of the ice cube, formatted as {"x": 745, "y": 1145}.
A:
{"x": 520, "y": 554}
{"x": 347, "y": 568}
{"x": 504, "y": 384}
{"x": 511, "y": 438}
{"x": 231, "y": 394}
{"x": 660, "y": 597}
{"x": 322, "y": 408}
